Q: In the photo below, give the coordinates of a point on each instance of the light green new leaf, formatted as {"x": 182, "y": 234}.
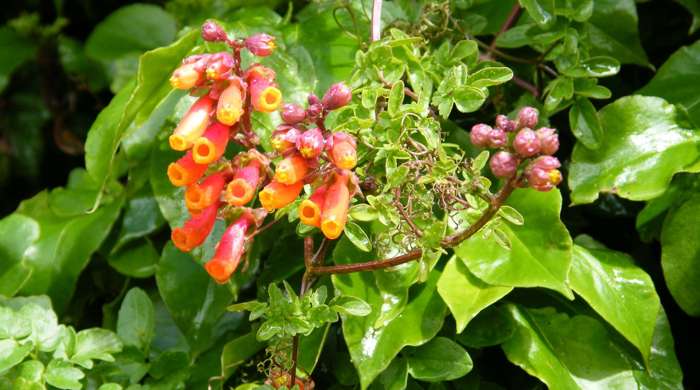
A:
{"x": 464, "y": 294}
{"x": 440, "y": 359}
{"x": 540, "y": 253}
{"x": 490, "y": 76}
{"x": 644, "y": 137}
{"x": 585, "y": 123}
{"x": 136, "y": 321}
{"x": 357, "y": 236}
{"x": 680, "y": 254}
{"x": 17, "y": 234}
{"x": 622, "y": 293}
{"x": 61, "y": 374}
{"x": 677, "y": 80}
{"x": 95, "y": 343}
{"x": 12, "y": 353}
{"x": 541, "y": 11}
{"x": 373, "y": 347}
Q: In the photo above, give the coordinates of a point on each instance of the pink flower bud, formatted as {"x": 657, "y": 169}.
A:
{"x": 293, "y": 113}
{"x": 526, "y": 143}
{"x": 313, "y": 99}
{"x": 497, "y": 138}
{"x": 504, "y": 123}
{"x": 549, "y": 140}
{"x": 480, "y": 135}
{"x": 503, "y": 164}
{"x": 528, "y": 117}
{"x": 219, "y": 66}
{"x": 284, "y": 138}
{"x": 311, "y": 143}
{"x": 337, "y": 96}
{"x": 261, "y": 44}
{"x": 212, "y": 32}
{"x": 314, "y": 111}
{"x": 542, "y": 173}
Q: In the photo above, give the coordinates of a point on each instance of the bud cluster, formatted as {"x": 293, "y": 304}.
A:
{"x": 218, "y": 187}
{"x": 519, "y": 145}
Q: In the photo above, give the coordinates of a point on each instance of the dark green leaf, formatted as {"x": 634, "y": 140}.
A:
{"x": 541, "y": 11}
{"x": 21, "y": 48}
{"x": 643, "y": 137}
{"x": 394, "y": 377}
{"x": 491, "y": 327}
{"x": 585, "y": 123}
{"x": 612, "y": 31}
{"x": 440, "y": 359}
{"x": 137, "y": 259}
{"x": 310, "y": 348}
{"x": 136, "y": 321}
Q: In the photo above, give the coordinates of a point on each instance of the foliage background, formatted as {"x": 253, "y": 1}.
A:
{"x": 61, "y": 81}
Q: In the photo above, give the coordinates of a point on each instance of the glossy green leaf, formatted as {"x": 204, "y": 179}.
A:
{"x": 12, "y": 353}
{"x": 63, "y": 375}
{"x": 490, "y": 76}
{"x": 17, "y": 234}
{"x": 373, "y": 348}
{"x": 677, "y": 79}
{"x": 585, "y": 123}
{"x": 464, "y": 294}
{"x": 238, "y": 351}
{"x": 357, "y": 236}
{"x": 612, "y": 31}
{"x": 541, "y": 11}
{"x": 137, "y": 259}
{"x": 643, "y": 137}
{"x": 310, "y": 348}
{"x": 680, "y": 254}
{"x": 601, "y": 66}
{"x": 350, "y": 306}
{"x": 396, "y": 96}
{"x": 133, "y": 28}
{"x": 95, "y": 344}
{"x": 197, "y": 307}
{"x": 136, "y": 321}
{"x": 542, "y": 345}
{"x": 141, "y": 217}
{"x": 491, "y": 327}
{"x": 468, "y": 98}
{"x": 540, "y": 253}
{"x": 395, "y": 376}
{"x": 440, "y": 359}
{"x": 619, "y": 291}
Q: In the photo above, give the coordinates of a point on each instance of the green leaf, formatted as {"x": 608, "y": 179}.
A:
{"x": 601, "y": 66}
{"x": 21, "y": 48}
{"x": 137, "y": 259}
{"x": 441, "y": 359}
{"x": 132, "y": 107}
{"x": 194, "y": 300}
{"x": 363, "y": 212}
{"x": 491, "y": 327}
{"x": 541, "y": 11}
{"x": 511, "y": 215}
{"x": 63, "y": 375}
{"x": 238, "y": 351}
{"x": 141, "y": 218}
{"x": 350, "y": 306}
{"x": 468, "y": 98}
{"x": 12, "y": 325}
{"x": 374, "y": 347}
{"x": 310, "y": 348}
{"x": 95, "y": 343}
{"x": 17, "y": 234}
{"x": 579, "y": 352}
{"x": 395, "y": 376}
{"x": 136, "y": 321}
{"x": 396, "y": 96}
{"x": 64, "y": 246}
{"x": 490, "y": 76}
{"x": 464, "y": 294}
{"x": 612, "y": 31}
{"x": 675, "y": 81}
{"x": 680, "y": 254}
{"x": 540, "y": 253}
{"x": 585, "y": 123}
{"x": 12, "y": 353}
{"x": 619, "y": 291}
{"x": 357, "y": 236}
{"x": 643, "y": 137}
{"x": 45, "y": 331}
{"x": 133, "y": 28}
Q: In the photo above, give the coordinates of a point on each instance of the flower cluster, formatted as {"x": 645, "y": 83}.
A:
{"x": 520, "y": 145}
{"x": 219, "y": 187}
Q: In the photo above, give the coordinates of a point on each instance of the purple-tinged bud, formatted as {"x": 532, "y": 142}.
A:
{"x": 480, "y": 135}
{"x": 284, "y": 138}
{"x": 504, "y": 123}
{"x": 503, "y": 164}
{"x": 337, "y": 96}
{"x": 313, "y": 99}
{"x": 219, "y": 66}
{"x": 310, "y": 143}
{"x": 261, "y": 44}
{"x": 314, "y": 111}
{"x": 542, "y": 173}
{"x": 293, "y": 113}
{"x": 526, "y": 143}
{"x": 497, "y": 138}
{"x": 528, "y": 117}
{"x": 212, "y": 32}
{"x": 549, "y": 140}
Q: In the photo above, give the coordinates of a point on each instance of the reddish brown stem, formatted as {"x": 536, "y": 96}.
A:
{"x": 366, "y": 266}
{"x": 526, "y": 86}
{"x": 512, "y": 17}
{"x": 404, "y": 215}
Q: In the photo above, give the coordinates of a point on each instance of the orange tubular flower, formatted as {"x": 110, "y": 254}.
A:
{"x": 291, "y": 170}
{"x": 192, "y": 125}
{"x": 264, "y": 95}
{"x": 211, "y": 145}
{"x": 310, "y": 209}
{"x": 205, "y": 194}
{"x": 245, "y": 181}
{"x": 193, "y": 233}
{"x": 185, "y": 77}
{"x": 277, "y": 195}
{"x": 335, "y": 207}
{"x": 230, "y": 106}
{"x": 229, "y": 250}
{"x": 185, "y": 171}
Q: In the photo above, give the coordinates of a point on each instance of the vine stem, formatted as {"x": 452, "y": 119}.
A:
{"x": 376, "y": 20}
{"x": 448, "y": 242}
{"x": 512, "y": 17}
